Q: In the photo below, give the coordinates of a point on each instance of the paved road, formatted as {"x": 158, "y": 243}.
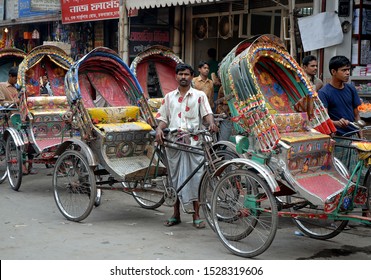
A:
{"x": 33, "y": 228}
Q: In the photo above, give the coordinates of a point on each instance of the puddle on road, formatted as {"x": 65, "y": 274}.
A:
{"x": 344, "y": 251}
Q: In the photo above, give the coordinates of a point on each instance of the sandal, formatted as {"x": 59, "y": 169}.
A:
{"x": 172, "y": 222}
{"x": 32, "y": 171}
{"x": 24, "y": 170}
{"x": 199, "y": 224}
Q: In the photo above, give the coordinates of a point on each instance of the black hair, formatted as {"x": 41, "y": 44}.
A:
{"x": 211, "y": 53}
{"x": 182, "y": 67}
{"x": 308, "y": 59}
{"x": 202, "y": 63}
{"x": 13, "y": 71}
{"x": 337, "y": 62}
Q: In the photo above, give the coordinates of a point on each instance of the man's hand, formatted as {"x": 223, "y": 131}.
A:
{"x": 342, "y": 123}
{"x": 213, "y": 127}
{"x": 159, "y": 135}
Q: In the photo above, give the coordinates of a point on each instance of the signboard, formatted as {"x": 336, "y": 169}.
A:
{"x": 1, "y": 9}
{"x": 142, "y": 37}
{"x": 45, "y": 5}
{"x": 24, "y": 8}
{"x": 325, "y": 27}
{"x": 89, "y": 10}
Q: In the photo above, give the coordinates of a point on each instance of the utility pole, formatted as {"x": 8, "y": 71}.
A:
{"x": 292, "y": 29}
{"x": 123, "y": 38}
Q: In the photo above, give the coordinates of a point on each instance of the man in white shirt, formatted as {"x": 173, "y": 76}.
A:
{"x": 183, "y": 108}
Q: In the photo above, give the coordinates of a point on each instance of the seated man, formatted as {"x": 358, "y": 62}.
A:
{"x": 9, "y": 94}
{"x": 45, "y": 89}
{"x": 8, "y": 90}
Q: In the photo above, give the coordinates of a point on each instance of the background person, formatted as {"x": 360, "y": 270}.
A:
{"x": 203, "y": 83}
{"x": 8, "y": 90}
{"x": 213, "y": 73}
{"x": 45, "y": 88}
{"x": 225, "y": 127}
{"x": 341, "y": 101}
{"x": 310, "y": 67}
{"x": 183, "y": 108}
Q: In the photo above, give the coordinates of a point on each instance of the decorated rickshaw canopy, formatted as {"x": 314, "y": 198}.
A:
{"x": 261, "y": 79}
{"x": 9, "y": 57}
{"x": 43, "y": 60}
{"x": 155, "y": 70}
{"x": 102, "y": 68}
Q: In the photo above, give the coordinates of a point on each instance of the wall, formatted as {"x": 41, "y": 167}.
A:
{"x": 341, "y": 49}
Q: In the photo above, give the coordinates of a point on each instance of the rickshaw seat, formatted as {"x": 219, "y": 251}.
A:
{"x": 309, "y": 159}
{"x": 107, "y": 115}
{"x": 48, "y": 126}
{"x": 48, "y": 105}
{"x": 116, "y": 119}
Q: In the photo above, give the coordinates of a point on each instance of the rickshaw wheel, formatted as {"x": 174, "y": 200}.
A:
{"x": 13, "y": 163}
{"x": 3, "y": 172}
{"x": 244, "y": 197}
{"x": 98, "y": 199}
{"x": 367, "y": 184}
{"x": 75, "y": 191}
{"x": 208, "y": 184}
{"x": 316, "y": 228}
{"x": 150, "y": 196}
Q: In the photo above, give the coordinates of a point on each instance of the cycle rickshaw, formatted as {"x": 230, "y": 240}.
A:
{"x": 290, "y": 169}
{"x": 39, "y": 128}
{"x": 117, "y": 148}
{"x": 9, "y": 57}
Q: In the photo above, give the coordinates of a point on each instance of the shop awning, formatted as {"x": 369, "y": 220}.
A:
{"x": 135, "y": 4}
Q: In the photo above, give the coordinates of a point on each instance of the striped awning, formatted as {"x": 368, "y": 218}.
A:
{"x": 135, "y": 4}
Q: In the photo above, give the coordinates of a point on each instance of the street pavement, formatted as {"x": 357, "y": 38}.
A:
{"x": 32, "y": 228}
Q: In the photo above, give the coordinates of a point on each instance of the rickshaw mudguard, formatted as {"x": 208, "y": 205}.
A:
{"x": 242, "y": 143}
{"x": 10, "y": 131}
{"x": 85, "y": 150}
{"x": 341, "y": 168}
{"x": 266, "y": 174}
{"x": 228, "y": 144}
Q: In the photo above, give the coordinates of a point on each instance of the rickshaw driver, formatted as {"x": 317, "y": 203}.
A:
{"x": 185, "y": 107}
{"x": 9, "y": 94}
{"x": 8, "y": 90}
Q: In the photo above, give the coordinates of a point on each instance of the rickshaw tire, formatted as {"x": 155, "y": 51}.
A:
{"x": 3, "y": 168}
{"x": 14, "y": 174}
{"x": 77, "y": 190}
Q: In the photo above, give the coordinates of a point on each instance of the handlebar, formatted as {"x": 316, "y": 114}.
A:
{"x": 348, "y": 134}
{"x": 360, "y": 124}
{"x": 8, "y": 107}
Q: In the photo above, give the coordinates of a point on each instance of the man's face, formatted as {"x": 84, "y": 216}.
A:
{"x": 342, "y": 74}
{"x": 311, "y": 68}
{"x": 204, "y": 70}
{"x": 12, "y": 80}
{"x": 184, "y": 78}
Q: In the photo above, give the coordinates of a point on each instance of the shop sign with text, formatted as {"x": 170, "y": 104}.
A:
{"x": 31, "y": 8}
{"x": 142, "y": 38}
{"x": 89, "y": 10}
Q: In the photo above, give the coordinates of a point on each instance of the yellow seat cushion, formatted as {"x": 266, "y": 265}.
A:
{"x": 47, "y": 103}
{"x": 121, "y": 127}
{"x": 114, "y": 115}
{"x": 155, "y": 103}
